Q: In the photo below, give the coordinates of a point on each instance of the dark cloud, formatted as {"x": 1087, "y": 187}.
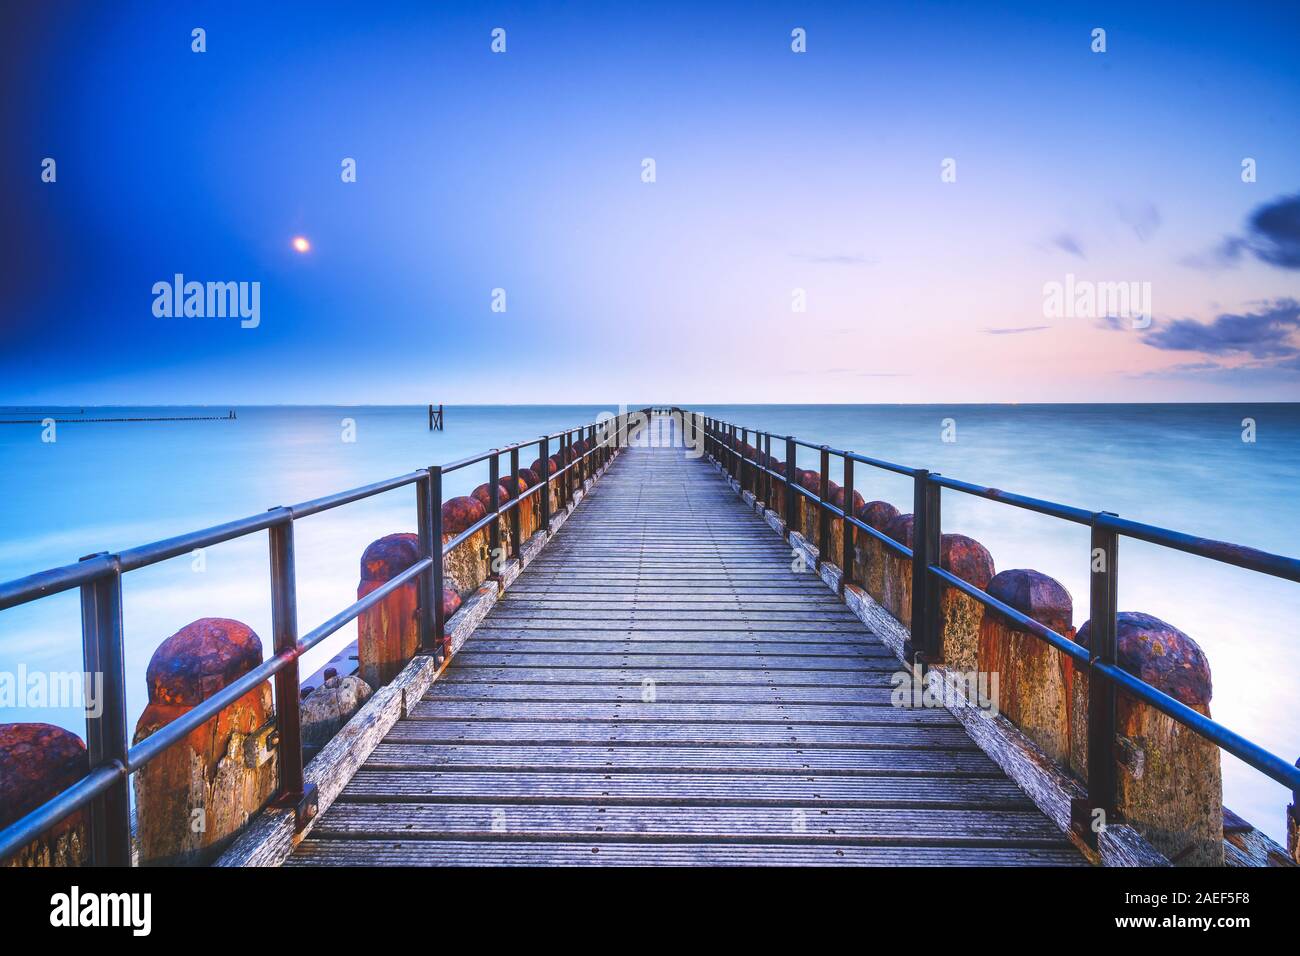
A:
{"x": 1275, "y": 229}
{"x": 1272, "y": 236}
{"x": 1266, "y": 334}
{"x": 1017, "y": 330}
{"x": 1261, "y": 346}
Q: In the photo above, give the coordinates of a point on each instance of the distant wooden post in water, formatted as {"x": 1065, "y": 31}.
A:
{"x": 435, "y": 419}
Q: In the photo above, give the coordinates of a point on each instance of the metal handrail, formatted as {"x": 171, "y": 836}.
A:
{"x": 726, "y": 443}
{"x": 103, "y": 787}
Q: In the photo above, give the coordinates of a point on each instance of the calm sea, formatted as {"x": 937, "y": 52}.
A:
{"x": 109, "y": 486}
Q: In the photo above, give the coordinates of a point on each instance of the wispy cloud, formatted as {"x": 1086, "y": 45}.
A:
{"x": 851, "y": 372}
{"x": 1017, "y": 330}
{"x": 833, "y": 260}
{"x": 1251, "y": 373}
{"x": 1067, "y": 242}
{"x": 1142, "y": 218}
{"x": 1113, "y": 323}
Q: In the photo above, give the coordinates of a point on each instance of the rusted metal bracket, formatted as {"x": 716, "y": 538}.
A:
{"x": 305, "y": 806}
{"x": 260, "y": 745}
{"x": 1081, "y": 820}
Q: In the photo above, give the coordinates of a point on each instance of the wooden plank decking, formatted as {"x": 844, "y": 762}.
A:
{"x": 770, "y": 738}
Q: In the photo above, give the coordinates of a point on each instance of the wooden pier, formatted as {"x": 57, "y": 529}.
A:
{"x": 660, "y": 686}
{"x": 630, "y": 653}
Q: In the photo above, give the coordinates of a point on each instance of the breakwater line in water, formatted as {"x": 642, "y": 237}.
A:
{"x": 229, "y": 416}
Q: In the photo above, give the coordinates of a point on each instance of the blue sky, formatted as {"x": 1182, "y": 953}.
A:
{"x": 775, "y": 171}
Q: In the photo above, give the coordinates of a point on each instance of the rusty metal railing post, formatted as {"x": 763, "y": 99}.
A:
{"x": 850, "y": 532}
{"x": 584, "y": 462}
{"x": 559, "y": 466}
{"x": 106, "y": 740}
{"x": 575, "y": 474}
{"x": 823, "y": 515}
{"x": 424, "y": 528}
{"x": 752, "y": 464}
{"x": 926, "y": 545}
{"x": 515, "y": 517}
{"x": 566, "y": 480}
{"x": 746, "y": 470}
{"x": 742, "y": 437}
{"x": 494, "y": 529}
{"x": 1293, "y": 814}
{"x": 432, "y": 643}
{"x": 293, "y": 792}
{"x": 545, "y": 457}
{"x": 562, "y": 480}
{"x": 791, "y": 502}
{"x": 767, "y": 473}
{"x": 1102, "y": 630}
{"x": 750, "y": 478}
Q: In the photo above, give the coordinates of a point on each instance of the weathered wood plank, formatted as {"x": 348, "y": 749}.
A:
{"x": 546, "y": 853}
{"x": 476, "y": 675}
{"x": 637, "y": 710}
{"x": 682, "y": 734}
{"x": 663, "y": 693}
{"x": 634, "y": 759}
{"x": 669, "y": 789}
{"x": 903, "y": 827}
{"x": 642, "y": 660}
{"x": 810, "y": 646}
